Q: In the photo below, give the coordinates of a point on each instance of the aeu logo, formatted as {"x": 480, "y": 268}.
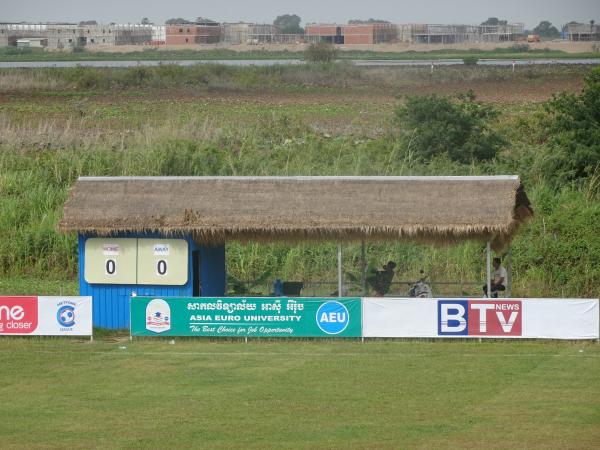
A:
{"x": 158, "y": 316}
{"x": 479, "y": 318}
{"x": 332, "y": 317}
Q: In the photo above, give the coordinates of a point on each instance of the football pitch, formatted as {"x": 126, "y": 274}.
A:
{"x": 65, "y": 393}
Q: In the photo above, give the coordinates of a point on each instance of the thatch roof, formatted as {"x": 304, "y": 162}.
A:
{"x": 215, "y": 209}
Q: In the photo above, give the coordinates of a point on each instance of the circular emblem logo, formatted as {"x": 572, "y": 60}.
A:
{"x": 66, "y": 316}
{"x": 332, "y": 317}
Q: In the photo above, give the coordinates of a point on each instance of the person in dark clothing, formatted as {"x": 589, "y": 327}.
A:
{"x": 381, "y": 280}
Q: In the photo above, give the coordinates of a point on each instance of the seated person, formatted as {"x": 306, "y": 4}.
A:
{"x": 498, "y": 279}
{"x": 381, "y": 280}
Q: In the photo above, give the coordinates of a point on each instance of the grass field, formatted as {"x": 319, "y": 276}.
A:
{"x": 60, "y": 393}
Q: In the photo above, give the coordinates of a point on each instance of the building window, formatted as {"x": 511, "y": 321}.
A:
{"x": 70, "y": 41}
{"x": 103, "y": 40}
{"x": 92, "y": 40}
{"x": 187, "y": 40}
{"x": 188, "y": 30}
{"x": 181, "y": 30}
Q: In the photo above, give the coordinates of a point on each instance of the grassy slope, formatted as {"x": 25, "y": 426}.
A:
{"x": 214, "y": 120}
{"x": 198, "y": 394}
{"x": 151, "y": 54}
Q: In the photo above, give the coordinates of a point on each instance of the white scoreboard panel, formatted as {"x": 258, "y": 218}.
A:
{"x": 136, "y": 261}
{"x": 111, "y": 261}
{"x": 162, "y": 261}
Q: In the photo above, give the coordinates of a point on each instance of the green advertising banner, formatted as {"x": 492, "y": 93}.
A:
{"x": 259, "y": 317}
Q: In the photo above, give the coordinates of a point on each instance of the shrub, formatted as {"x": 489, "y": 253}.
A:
{"x": 470, "y": 60}
{"x": 435, "y": 125}
{"x": 86, "y": 78}
{"x": 137, "y": 76}
{"x": 519, "y": 48}
{"x": 321, "y": 52}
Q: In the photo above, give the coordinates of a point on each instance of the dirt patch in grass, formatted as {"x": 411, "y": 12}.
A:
{"x": 498, "y": 91}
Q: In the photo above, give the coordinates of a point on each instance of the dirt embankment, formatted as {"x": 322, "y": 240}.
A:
{"x": 565, "y": 46}
{"x": 497, "y": 92}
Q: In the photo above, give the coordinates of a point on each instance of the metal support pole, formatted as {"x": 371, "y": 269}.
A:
{"x": 488, "y": 261}
{"x": 363, "y": 268}
{"x": 509, "y": 273}
{"x": 340, "y": 282}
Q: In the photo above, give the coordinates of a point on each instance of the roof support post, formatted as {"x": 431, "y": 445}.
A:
{"x": 363, "y": 268}
{"x": 488, "y": 260}
{"x": 509, "y": 273}
{"x": 340, "y": 281}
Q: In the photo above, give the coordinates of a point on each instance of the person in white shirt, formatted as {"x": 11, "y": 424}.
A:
{"x": 498, "y": 281}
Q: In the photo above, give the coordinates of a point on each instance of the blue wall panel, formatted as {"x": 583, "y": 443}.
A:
{"x": 212, "y": 271}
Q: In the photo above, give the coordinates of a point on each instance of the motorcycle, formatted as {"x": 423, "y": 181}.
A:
{"x": 422, "y": 288}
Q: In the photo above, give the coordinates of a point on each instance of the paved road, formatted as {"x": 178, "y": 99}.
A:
{"x": 273, "y": 62}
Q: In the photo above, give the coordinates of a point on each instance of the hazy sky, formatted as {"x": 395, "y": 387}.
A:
{"x": 531, "y": 12}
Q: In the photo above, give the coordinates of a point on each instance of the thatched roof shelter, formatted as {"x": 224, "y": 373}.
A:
{"x": 215, "y": 209}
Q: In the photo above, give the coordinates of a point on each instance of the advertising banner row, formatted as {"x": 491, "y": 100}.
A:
{"x": 365, "y": 317}
{"x": 46, "y": 316}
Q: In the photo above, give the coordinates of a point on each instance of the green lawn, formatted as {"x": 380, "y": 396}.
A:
{"x": 59, "y": 393}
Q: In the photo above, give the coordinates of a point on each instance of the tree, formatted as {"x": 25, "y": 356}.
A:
{"x": 87, "y": 22}
{"x": 289, "y": 24}
{"x": 573, "y": 127}
{"x": 360, "y": 22}
{"x": 204, "y": 20}
{"x": 145, "y": 21}
{"x": 459, "y": 128}
{"x": 177, "y": 21}
{"x": 494, "y": 21}
{"x": 546, "y": 29}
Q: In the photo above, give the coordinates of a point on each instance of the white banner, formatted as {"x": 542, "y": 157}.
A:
{"x": 45, "y": 316}
{"x": 481, "y": 318}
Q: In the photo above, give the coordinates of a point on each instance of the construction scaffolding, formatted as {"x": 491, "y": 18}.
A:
{"x": 458, "y": 34}
{"x": 250, "y": 33}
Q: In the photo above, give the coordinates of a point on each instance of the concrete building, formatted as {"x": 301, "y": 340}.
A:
{"x": 377, "y": 33}
{"x": 66, "y": 35}
{"x": 56, "y": 35}
{"x": 583, "y": 32}
{"x": 159, "y": 35}
{"x": 331, "y": 33}
{"x": 190, "y": 34}
{"x": 371, "y": 33}
{"x": 32, "y": 42}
